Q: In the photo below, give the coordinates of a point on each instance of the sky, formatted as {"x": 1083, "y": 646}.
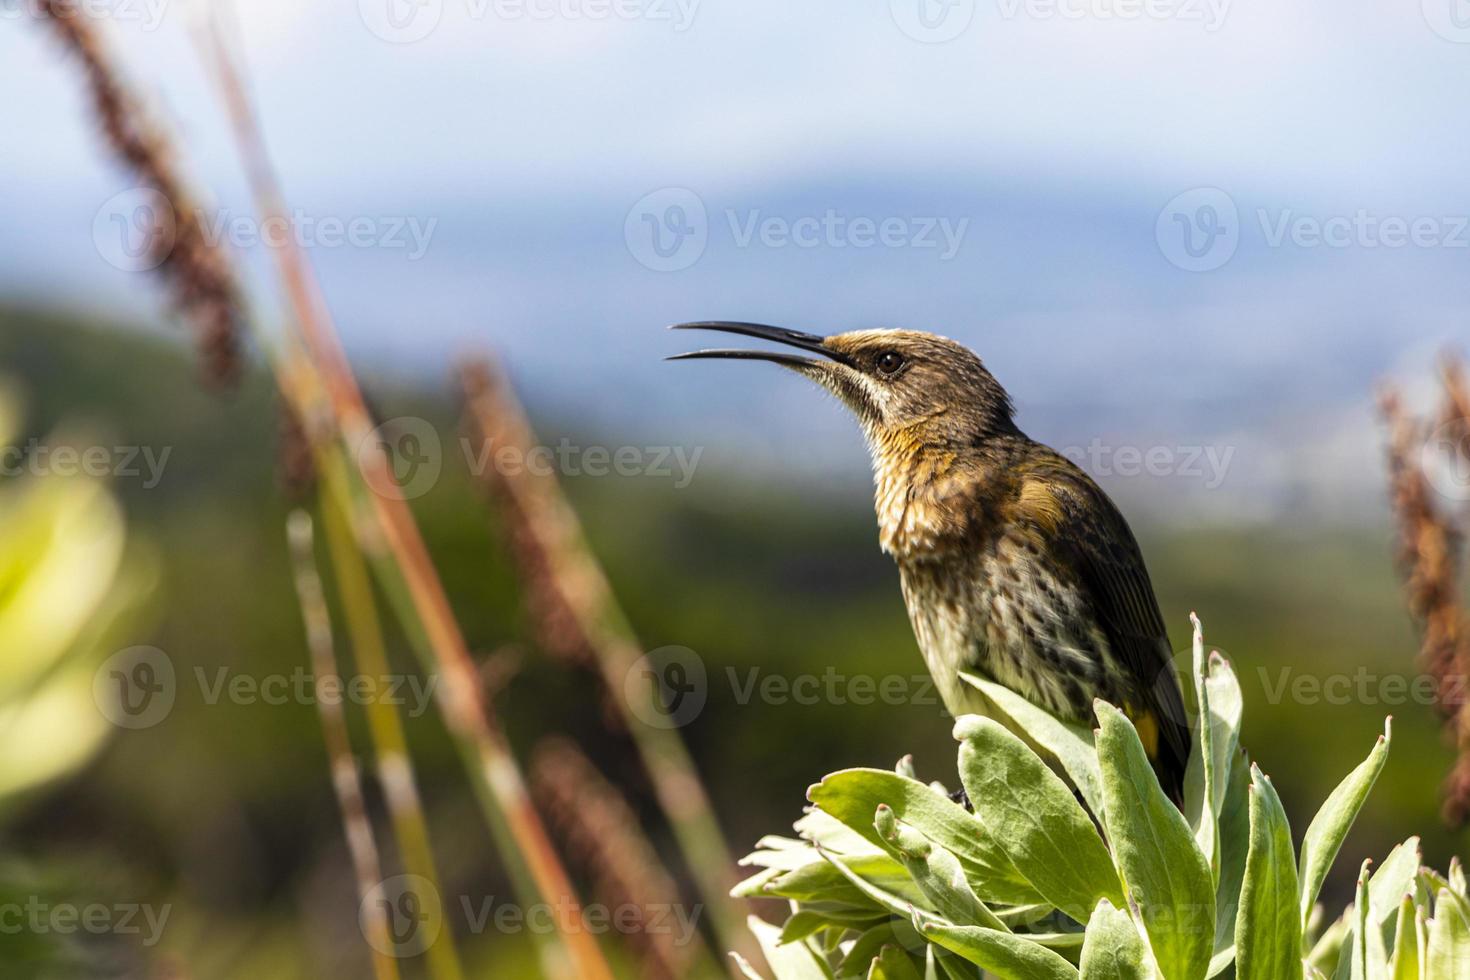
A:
{"x": 1174, "y": 225}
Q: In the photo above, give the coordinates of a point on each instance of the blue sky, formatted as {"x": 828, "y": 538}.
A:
{"x": 508, "y": 168}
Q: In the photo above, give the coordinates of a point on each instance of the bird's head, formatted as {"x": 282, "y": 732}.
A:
{"x": 904, "y": 386}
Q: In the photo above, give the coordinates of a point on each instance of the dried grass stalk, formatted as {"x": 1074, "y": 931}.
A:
{"x": 603, "y": 834}
{"x": 581, "y": 618}
{"x": 1429, "y": 554}
{"x": 197, "y": 272}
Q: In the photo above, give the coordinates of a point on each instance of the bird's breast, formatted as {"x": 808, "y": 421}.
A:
{"x": 1001, "y": 609}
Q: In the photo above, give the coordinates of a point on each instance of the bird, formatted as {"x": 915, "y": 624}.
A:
{"x": 1014, "y": 563}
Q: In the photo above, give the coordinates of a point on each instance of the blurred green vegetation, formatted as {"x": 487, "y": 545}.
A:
{"x": 225, "y": 810}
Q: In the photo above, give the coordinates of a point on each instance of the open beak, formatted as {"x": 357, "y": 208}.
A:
{"x": 791, "y": 338}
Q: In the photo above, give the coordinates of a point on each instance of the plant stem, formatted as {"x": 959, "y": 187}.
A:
{"x": 394, "y": 764}
{"x": 345, "y": 779}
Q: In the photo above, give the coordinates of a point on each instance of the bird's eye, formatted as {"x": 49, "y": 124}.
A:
{"x": 889, "y": 362}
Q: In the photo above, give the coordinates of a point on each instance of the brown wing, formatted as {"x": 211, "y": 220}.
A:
{"x": 1090, "y": 533}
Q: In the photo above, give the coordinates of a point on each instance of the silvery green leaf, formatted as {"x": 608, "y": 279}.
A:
{"x": 1328, "y": 828}
{"x": 794, "y": 961}
{"x": 862, "y": 951}
{"x": 822, "y": 880}
{"x": 893, "y": 963}
{"x": 1006, "y": 955}
{"x": 1369, "y": 960}
{"x": 1047, "y": 836}
{"x": 1327, "y": 951}
{"x": 1112, "y": 948}
{"x": 1165, "y": 872}
{"x": 1268, "y": 933}
{"x": 1235, "y": 832}
{"x": 852, "y": 796}
{"x": 937, "y": 872}
{"x": 883, "y": 898}
{"x": 1406, "y": 952}
{"x": 1448, "y": 952}
{"x": 746, "y": 970}
{"x": 1071, "y": 745}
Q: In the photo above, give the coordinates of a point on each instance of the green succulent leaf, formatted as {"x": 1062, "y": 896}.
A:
{"x": 1406, "y": 952}
{"x": 1235, "y": 833}
{"x": 1268, "y": 930}
{"x": 1048, "y": 837}
{"x": 1006, "y": 955}
{"x": 937, "y": 872}
{"x": 852, "y": 796}
{"x": 1207, "y": 778}
{"x": 893, "y": 963}
{"x": 1113, "y": 949}
{"x": 1071, "y": 745}
{"x": 1448, "y": 952}
{"x": 790, "y": 961}
{"x": 1328, "y": 828}
{"x": 1167, "y": 876}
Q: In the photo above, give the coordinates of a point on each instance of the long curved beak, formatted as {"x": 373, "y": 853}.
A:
{"x": 780, "y": 335}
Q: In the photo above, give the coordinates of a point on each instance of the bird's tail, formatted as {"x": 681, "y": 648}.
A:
{"x": 1166, "y": 740}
